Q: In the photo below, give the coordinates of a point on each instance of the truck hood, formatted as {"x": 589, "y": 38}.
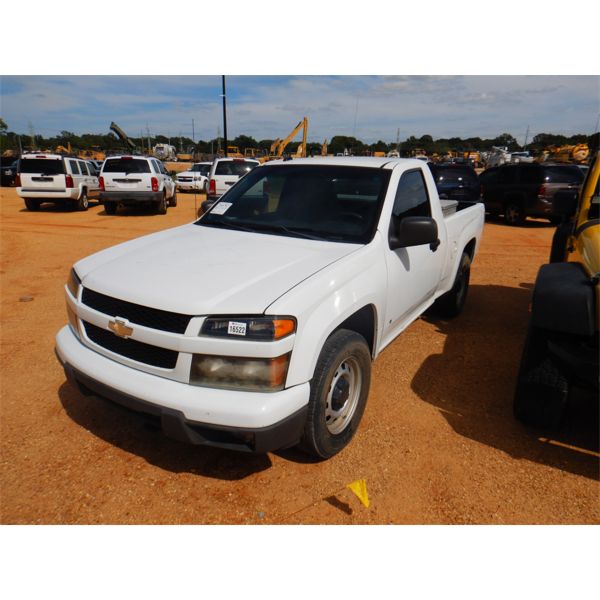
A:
{"x": 190, "y": 174}
{"x": 200, "y": 270}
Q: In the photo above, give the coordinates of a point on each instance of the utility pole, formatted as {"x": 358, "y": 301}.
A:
{"x": 398, "y": 140}
{"x": 526, "y": 137}
{"x": 224, "y": 114}
{"x": 20, "y": 147}
{"x": 218, "y": 139}
{"x": 32, "y": 135}
{"x": 193, "y": 133}
{"x": 148, "y": 134}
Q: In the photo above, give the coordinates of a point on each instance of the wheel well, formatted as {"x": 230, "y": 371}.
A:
{"x": 470, "y": 248}
{"x": 363, "y": 323}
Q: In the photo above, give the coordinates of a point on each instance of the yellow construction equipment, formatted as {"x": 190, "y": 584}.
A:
{"x": 578, "y": 153}
{"x": 278, "y": 146}
{"x": 324, "y": 148}
{"x": 63, "y": 150}
{"x": 234, "y": 152}
{"x": 94, "y": 153}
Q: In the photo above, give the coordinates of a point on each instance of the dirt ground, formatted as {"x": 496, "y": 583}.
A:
{"x": 438, "y": 442}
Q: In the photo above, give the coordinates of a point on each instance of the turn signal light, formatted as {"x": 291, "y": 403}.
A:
{"x": 154, "y": 184}
{"x": 212, "y": 187}
{"x": 542, "y": 190}
{"x": 18, "y": 181}
{"x": 69, "y": 181}
{"x": 101, "y": 183}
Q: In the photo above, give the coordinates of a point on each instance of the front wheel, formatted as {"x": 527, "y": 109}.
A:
{"x": 338, "y": 394}
{"x": 542, "y": 389}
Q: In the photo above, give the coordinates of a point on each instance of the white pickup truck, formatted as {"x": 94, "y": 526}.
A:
{"x": 255, "y": 327}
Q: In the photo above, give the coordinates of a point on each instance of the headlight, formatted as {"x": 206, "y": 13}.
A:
{"x": 251, "y": 328}
{"x": 73, "y": 283}
{"x": 248, "y": 374}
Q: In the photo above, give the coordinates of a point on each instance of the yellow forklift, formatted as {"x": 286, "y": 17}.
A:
{"x": 562, "y": 345}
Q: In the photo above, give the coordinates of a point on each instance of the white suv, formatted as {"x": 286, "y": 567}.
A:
{"x": 194, "y": 179}
{"x": 134, "y": 180}
{"x": 55, "y": 178}
{"x": 224, "y": 172}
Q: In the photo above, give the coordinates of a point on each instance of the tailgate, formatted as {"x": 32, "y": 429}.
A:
{"x": 224, "y": 182}
{"x": 127, "y": 182}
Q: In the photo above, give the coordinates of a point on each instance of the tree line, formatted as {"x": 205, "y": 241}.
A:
{"x": 10, "y": 140}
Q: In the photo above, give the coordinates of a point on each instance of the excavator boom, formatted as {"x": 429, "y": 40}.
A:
{"x": 122, "y": 135}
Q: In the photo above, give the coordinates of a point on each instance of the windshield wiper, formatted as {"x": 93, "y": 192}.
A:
{"x": 299, "y": 232}
{"x": 227, "y": 224}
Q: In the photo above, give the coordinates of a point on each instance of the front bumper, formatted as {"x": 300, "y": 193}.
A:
{"x": 125, "y": 196}
{"x": 247, "y": 421}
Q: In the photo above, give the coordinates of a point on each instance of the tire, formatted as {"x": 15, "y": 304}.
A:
{"x": 161, "y": 205}
{"x": 555, "y": 220}
{"x": 514, "y": 214}
{"x": 542, "y": 390}
{"x": 338, "y": 394}
{"x": 83, "y": 202}
{"x": 558, "y": 249}
{"x": 110, "y": 208}
{"x": 32, "y": 204}
{"x": 452, "y": 303}
{"x": 173, "y": 199}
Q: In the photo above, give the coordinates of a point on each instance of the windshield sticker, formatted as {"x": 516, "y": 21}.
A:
{"x": 235, "y": 328}
{"x": 221, "y": 208}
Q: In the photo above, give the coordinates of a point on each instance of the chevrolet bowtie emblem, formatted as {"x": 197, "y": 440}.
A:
{"x": 119, "y": 327}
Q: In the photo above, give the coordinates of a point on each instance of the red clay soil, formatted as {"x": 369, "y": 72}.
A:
{"x": 438, "y": 442}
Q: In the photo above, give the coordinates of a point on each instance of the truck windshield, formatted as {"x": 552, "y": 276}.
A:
{"x": 45, "y": 166}
{"x": 332, "y": 203}
{"x": 204, "y": 169}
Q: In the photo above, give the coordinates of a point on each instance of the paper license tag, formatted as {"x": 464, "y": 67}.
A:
{"x": 220, "y": 208}
{"x": 235, "y": 328}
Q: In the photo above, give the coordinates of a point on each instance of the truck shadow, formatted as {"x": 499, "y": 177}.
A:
{"x": 135, "y": 434}
{"x": 472, "y": 384}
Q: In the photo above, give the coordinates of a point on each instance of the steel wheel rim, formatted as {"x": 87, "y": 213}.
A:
{"x": 512, "y": 213}
{"x": 337, "y": 418}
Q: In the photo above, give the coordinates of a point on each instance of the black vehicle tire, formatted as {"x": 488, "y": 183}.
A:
{"x": 338, "y": 394}
{"x": 83, "y": 202}
{"x": 514, "y": 213}
{"x": 542, "y": 390}
{"x": 555, "y": 220}
{"x": 558, "y": 249}
{"x": 32, "y": 204}
{"x": 173, "y": 199}
{"x": 161, "y": 205}
{"x": 110, "y": 208}
{"x": 452, "y": 302}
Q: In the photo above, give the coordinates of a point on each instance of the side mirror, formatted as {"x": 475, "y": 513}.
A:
{"x": 564, "y": 202}
{"x": 413, "y": 231}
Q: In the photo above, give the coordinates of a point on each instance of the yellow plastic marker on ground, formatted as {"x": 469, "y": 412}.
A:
{"x": 359, "y": 488}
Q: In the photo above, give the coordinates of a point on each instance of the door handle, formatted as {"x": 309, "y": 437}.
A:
{"x": 434, "y": 245}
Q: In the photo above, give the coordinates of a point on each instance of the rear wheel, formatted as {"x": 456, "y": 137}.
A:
{"x": 451, "y": 303}
{"x": 32, "y": 204}
{"x": 338, "y": 394}
{"x": 514, "y": 214}
{"x": 161, "y": 205}
{"x": 173, "y": 199}
{"x": 110, "y": 208}
{"x": 83, "y": 202}
{"x": 542, "y": 389}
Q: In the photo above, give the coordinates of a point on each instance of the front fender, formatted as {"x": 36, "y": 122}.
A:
{"x": 325, "y": 300}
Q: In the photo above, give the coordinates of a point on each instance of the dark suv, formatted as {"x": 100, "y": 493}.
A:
{"x": 526, "y": 189}
{"x": 455, "y": 181}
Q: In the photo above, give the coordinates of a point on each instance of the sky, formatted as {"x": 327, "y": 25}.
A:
{"x": 265, "y": 107}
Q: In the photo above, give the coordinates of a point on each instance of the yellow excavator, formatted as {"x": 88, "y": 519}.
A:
{"x": 324, "y": 148}
{"x": 278, "y": 146}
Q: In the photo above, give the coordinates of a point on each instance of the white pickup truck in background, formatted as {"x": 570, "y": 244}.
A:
{"x": 255, "y": 327}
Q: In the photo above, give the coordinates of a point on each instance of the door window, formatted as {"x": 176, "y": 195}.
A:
{"x": 412, "y": 199}
{"x": 74, "y": 167}
{"x": 84, "y": 168}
